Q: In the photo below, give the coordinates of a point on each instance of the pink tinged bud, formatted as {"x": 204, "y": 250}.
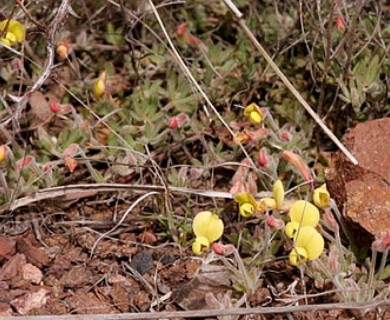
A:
{"x": 381, "y": 245}
{"x": 238, "y": 187}
{"x": 71, "y": 150}
{"x": 333, "y": 258}
{"x": 274, "y": 223}
{"x": 285, "y": 136}
{"x": 251, "y": 183}
{"x": 177, "y": 121}
{"x": 55, "y": 107}
{"x": 329, "y": 221}
{"x": 46, "y": 168}
{"x": 24, "y": 163}
{"x": 262, "y": 158}
{"x": 71, "y": 164}
{"x": 173, "y": 123}
{"x": 298, "y": 163}
{"x": 221, "y": 249}
{"x": 340, "y": 24}
{"x": 386, "y": 240}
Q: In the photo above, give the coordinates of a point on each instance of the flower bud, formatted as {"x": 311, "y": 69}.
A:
{"x": 221, "y": 249}
{"x": 63, "y": 49}
{"x": 298, "y": 163}
{"x": 285, "y": 136}
{"x": 340, "y": 24}
{"x": 321, "y": 197}
{"x": 99, "y": 87}
{"x": 274, "y": 223}
{"x": 3, "y": 152}
{"x": 71, "y": 164}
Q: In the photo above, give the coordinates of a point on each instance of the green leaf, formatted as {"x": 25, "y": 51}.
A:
{"x": 385, "y": 274}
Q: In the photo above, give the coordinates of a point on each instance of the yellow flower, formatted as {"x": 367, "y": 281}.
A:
{"x": 321, "y": 197}
{"x": 3, "y": 152}
{"x": 248, "y": 204}
{"x": 253, "y": 113}
{"x": 278, "y": 191}
{"x": 291, "y": 229}
{"x": 246, "y": 210}
{"x": 99, "y": 87}
{"x": 14, "y": 33}
{"x": 308, "y": 245}
{"x": 266, "y": 204}
{"x": 304, "y": 213}
{"x": 208, "y": 227}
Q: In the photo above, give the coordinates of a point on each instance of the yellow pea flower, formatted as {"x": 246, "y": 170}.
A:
{"x": 14, "y": 33}
{"x": 308, "y": 245}
{"x": 266, "y": 204}
{"x": 278, "y": 191}
{"x": 304, "y": 213}
{"x": 253, "y": 113}
{"x": 246, "y": 210}
{"x": 207, "y": 227}
{"x": 297, "y": 256}
{"x": 248, "y": 204}
{"x": 321, "y": 197}
{"x": 291, "y": 229}
{"x": 99, "y": 87}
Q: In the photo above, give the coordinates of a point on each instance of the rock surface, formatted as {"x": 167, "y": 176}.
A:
{"x": 362, "y": 192}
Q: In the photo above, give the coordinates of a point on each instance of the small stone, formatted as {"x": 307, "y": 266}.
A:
{"x": 142, "y": 262}
{"x": 32, "y": 273}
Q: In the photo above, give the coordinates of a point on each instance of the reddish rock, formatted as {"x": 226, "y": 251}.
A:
{"x": 364, "y": 190}
{"x": 87, "y": 303}
{"x": 36, "y": 256}
{"x": 32, "y": 273}
{"x": 12, "y": 267}
{"x": 7, "y": 247}
{"x": 5, "y": 310}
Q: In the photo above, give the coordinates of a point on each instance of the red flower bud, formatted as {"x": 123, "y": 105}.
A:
{"x": 340, "y": 24}
{"x": 262, "y": 158}
{"x": 285, "y": 136}
{"x": 173, "y": 123}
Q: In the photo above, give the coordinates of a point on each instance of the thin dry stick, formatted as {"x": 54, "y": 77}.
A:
{"x": 364, "y": 306}
{"x": 287, "y": 82}
{"x": 189, "y": 75}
